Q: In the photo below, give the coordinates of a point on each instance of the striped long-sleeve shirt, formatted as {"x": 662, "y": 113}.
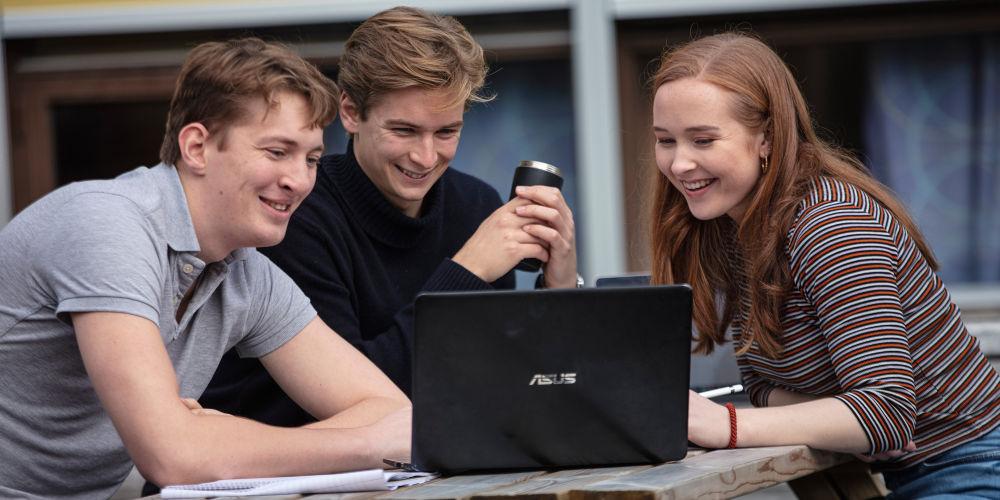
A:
{"x": 869, "y": 323}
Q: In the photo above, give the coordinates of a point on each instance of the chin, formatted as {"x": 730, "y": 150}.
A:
{"x": 704, "y": 215}
{"x": 270, "y": 239}
{"x": 412, "y": 196}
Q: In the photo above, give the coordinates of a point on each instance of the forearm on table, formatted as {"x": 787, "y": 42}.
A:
{"x": 824, "y": 423}
{"x": 213, "y": 447}
{"x": 361, "y": 414}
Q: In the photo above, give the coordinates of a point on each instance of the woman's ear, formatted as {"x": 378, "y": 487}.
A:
{"x": 350, "y": 115}
{"x": 765, "y": 139}
{"x": 764, "y": 146}
{"x": 193, "y": 140}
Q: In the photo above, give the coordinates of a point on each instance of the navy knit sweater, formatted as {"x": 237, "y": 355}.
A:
{"x": 362, "y": 262}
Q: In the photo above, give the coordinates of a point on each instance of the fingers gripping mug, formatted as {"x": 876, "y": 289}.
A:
{"x": 534, "y": 173}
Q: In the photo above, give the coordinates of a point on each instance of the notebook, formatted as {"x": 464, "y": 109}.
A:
{"x": 550, "y": 378}
{"x": 364, "y": 480}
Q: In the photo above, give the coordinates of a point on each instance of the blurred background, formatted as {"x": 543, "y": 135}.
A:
{"x": 913, "y": 87}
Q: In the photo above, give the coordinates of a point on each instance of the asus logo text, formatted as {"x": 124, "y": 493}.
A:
{"x": 553, "y": 379}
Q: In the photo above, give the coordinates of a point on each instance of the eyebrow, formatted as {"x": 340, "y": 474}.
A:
{"x": 404, "y": 123}
{"x": 699, "y": 128}
{"x": 288, "y": 142}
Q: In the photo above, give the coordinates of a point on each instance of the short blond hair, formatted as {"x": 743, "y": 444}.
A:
{"x": 218, "y": 79}
{"x": 405, "y": 47}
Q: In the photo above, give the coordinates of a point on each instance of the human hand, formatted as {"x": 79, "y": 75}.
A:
{"x": 886, "y": 455}
{"x": 500, "y": 243}
{"x": 389, "y": 437}
{"x": 557, "y": 230}
{"x": 708, "y": 422}
{"x": 197, "y": 409}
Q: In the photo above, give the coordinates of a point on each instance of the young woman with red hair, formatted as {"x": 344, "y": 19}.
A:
{"x": 846, "y": 338}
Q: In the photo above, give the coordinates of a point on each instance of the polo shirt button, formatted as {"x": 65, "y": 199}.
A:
{"x": 188, "y": 269}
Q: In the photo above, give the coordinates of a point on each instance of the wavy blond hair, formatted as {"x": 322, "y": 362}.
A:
{"x": 405, "y": 47}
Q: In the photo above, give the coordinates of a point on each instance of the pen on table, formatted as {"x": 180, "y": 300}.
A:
{"x": 722, "y": 391}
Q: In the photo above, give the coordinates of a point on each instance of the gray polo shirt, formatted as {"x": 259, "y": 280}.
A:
{"x": 124, "y": 245}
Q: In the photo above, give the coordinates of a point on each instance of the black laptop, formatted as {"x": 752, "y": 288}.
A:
{"x": 550, "y": 378}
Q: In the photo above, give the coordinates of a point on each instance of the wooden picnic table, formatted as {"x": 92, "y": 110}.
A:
{"x": 712, "y": 474}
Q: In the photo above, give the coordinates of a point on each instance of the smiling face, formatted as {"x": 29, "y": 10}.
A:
{"x": 406, "y": 142}
{"x": 705, "y": 153}
{"x": 256, "y": 173}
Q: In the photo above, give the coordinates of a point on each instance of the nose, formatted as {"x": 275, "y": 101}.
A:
{"x": 424, "y": 154}
{"x": 298, "y": 179}
{"x": 681, "y": 163}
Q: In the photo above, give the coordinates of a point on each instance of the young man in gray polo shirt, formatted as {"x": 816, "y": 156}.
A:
{"x": 119, "y": 297}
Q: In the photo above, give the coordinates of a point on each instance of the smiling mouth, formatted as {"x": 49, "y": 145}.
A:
{"x": 696, "y": 185}
{"x": 281, "y": 207}
{"x": 411, "y": 174}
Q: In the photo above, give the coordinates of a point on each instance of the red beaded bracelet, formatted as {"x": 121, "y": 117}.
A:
{"x": 732, "y": 425}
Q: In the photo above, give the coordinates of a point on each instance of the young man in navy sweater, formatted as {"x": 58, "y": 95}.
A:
{"x": 388, "y": 219}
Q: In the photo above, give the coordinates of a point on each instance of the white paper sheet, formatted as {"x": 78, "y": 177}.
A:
{"x": 365, "y": 480}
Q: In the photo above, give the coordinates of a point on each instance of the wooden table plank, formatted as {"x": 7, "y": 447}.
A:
{"x": 715, "y": 474}
{"x": 719, "y": 474}
{"x": 558, "y": 484}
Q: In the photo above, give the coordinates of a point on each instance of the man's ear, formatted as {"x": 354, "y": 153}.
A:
{"x": 193, "y": 140}
{"x": 350, "y": 116}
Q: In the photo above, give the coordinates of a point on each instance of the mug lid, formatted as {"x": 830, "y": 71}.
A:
{"x": 552, "y": 169}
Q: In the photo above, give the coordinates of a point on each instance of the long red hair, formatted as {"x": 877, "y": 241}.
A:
{"x": 687, "y": 250}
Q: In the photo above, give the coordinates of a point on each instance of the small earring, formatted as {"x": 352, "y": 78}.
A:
{"x": 763, "y": 165}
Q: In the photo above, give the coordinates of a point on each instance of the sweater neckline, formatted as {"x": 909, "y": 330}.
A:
{"x": 380, "y": 218}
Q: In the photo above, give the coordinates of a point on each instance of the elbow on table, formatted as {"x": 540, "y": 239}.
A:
{"x": 175, "y": 466}
{"x": 896, "y": 437}
{"x": 887, "y": 413}
{"x": 895, "y": 428}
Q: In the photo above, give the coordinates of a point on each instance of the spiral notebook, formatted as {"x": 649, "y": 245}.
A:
{"x": 365, "y": 480}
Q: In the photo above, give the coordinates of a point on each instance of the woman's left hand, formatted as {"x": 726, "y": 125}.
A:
{"x": 708, "y": 422}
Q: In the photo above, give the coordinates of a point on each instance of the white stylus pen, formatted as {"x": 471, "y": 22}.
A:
{"x": 722, "y": 391}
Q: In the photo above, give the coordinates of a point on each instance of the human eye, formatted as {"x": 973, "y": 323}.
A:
{"x": 448, "y": 133}
{"x": 276, "y": 153}
{"x": 312, "y": 161}
{"x": 402, "y": 130}
{"x": 665, "y": 141}
{"x": 704, "y": 142}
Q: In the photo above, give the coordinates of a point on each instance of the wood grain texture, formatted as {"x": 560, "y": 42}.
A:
{"x": 718, "y": 474}
{"x": 713, "y": 474}
{"x": 559, "y": 484}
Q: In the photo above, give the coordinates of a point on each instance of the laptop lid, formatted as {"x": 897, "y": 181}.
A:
{"x": 550, "y": 378}
{"x": 625, "y": 280}
{"x": 708, "y": 371}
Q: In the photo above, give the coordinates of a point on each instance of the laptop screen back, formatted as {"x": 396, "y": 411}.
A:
{"x": 550, "y": 378}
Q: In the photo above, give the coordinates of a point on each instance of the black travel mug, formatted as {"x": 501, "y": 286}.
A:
{"x": 534, "y": 173}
